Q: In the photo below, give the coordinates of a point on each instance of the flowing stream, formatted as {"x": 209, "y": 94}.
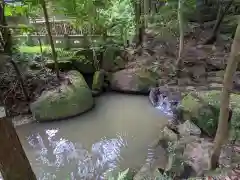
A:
{"x": 117, "y": 134}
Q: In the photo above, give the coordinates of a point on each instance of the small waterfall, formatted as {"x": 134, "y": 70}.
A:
{"x": 167, "y": 105}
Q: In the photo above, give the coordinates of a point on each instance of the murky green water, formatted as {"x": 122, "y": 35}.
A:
{"x": 117, "y": 134}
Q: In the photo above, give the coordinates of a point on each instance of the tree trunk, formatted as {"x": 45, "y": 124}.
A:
{"x": 138, "y": 22}
{"x": 39, "y": 40}
{"x": 146, "y": 12}
{"x": 221, "y": 14}
{"x": 43, "y": 4}
{"x": 14, "y": 164}
{"x": 40, "y": 45}
{"x": 6, "y": 34}
{"x": 181, "y": 33}
{"x": 223, "y": 124}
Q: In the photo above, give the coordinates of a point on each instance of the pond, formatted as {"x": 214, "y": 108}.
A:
{"x": 117, "y": 134}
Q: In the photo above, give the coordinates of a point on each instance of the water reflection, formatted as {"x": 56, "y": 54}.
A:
{"x": 74, "y": 148}
{"x": 60, "y": 153}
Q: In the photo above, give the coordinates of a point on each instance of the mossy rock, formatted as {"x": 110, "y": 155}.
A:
{"x": 83, "y": 65}
{"x": 146, "y": 79}
{"x": 98, "y": 81}
{"x": 205, "y": 115}
{"x": 133, "y": 80}
{"x": 66, "y": 101}
{"x": 87, "y": 53}
{"x": 83, "y": 60}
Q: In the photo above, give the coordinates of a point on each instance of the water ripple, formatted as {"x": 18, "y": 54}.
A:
{"x": 59, "y": 153}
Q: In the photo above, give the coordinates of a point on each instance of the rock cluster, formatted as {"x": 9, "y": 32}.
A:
{"x": 182, "y": 150}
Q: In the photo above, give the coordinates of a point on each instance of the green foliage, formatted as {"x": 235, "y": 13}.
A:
{"x": 60, "y": 52}
{"x": 166, "y": 20}
{"x": 46, "y": 51}
{"x": 209, "y": 119}
{"x": 160, "y": 176}
{"x": 98, "y": 17}
{"x": 14, "y": 10}
{"x": 121, "y": 175}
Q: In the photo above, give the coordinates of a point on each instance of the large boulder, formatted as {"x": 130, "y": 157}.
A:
{"x": 133, "y": 80}
{"x": 203, "y": 109}
{"x": 70, "y": 99}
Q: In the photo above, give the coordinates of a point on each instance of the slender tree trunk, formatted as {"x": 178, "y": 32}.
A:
{"x": 43, "y": 4}
{"x": 181, "y": 33}
{"x": 220, "y": 16}
{"x": 40, "y": 45}
{"x": 142, "y": 21}
{"x": 6, "y": 34}
{"x": 14, "y": 164}
{"x": 39, "y": 40}
{"x": 138, "y": 22}
{"x": 146, "y": 12}
{"x": 223, "y": 124}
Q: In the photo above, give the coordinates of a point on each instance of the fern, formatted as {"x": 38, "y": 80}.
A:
{"x": 121, "y": 175}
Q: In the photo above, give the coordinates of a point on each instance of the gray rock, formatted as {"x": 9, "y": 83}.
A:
{"x": 197, "y": 155}
{"x": 168, "y": 134}
{"x": 134, "y": 80}
{"x": 2, "y": 112}
{"x": 189, "y": 128}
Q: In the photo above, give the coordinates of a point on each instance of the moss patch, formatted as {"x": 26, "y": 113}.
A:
{"x": 65, "y": 101}
{"x": 98, "y": 81}
{"x": 207, "y": 118}
{"x": 146, "y": 79}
